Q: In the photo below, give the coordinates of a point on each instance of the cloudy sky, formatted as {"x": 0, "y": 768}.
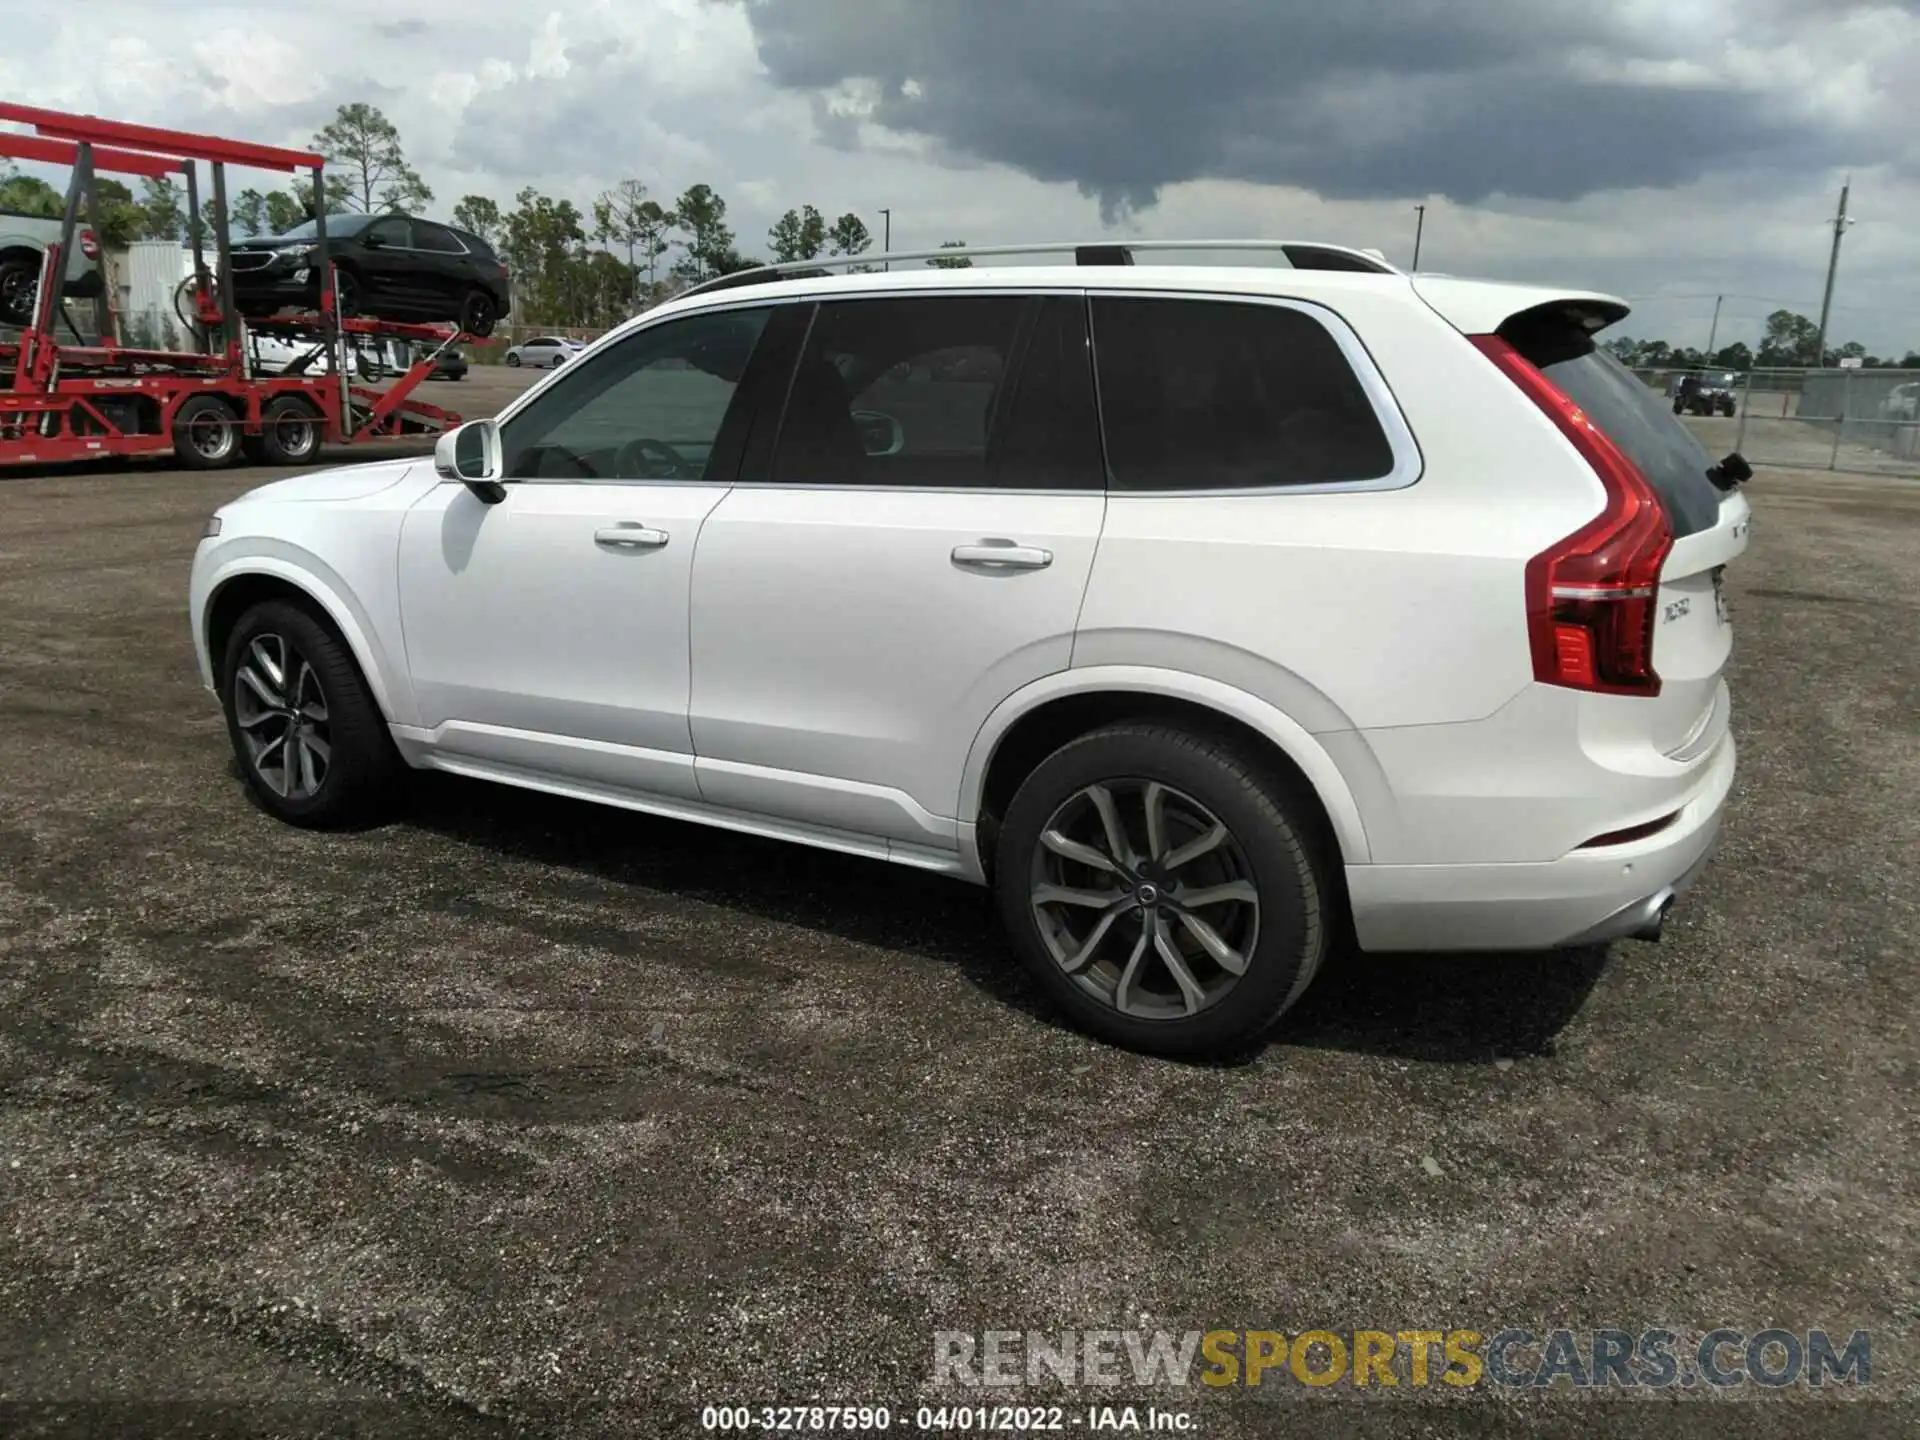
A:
{"x": 1665, "y": 150}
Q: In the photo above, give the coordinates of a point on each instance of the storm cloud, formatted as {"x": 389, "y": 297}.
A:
{"x": 1351, "y": 99}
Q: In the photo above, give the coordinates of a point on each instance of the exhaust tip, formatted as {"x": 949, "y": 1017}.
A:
{"x": 1651, "y": 931}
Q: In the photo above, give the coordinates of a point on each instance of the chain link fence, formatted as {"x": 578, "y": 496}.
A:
{"x": 1862, "y": 421}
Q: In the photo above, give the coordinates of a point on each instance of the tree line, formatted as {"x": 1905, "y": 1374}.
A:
{"x": 1788, "y": 343}
{"x": 588, "y": 267}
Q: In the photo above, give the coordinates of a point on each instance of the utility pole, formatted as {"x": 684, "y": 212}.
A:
{"x": 1419, "y": 228}
{"x": 1841, "y": 220}
{"x": 886, "y": 235}
{"x": 1713, "y": 334}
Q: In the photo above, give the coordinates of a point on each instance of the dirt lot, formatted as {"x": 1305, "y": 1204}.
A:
{"x": 519, "y": 1116}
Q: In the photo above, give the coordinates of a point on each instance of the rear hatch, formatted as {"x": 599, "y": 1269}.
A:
{"x": 1692, "y": 632}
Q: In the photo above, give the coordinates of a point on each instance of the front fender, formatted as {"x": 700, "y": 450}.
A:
{"x": 1300, "y": 746}
{"x": 307, "y": 573}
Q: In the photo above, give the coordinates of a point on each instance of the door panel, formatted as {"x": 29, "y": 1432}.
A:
{"x": 916, "y": 551}
{"x": 836, "y": 638}
{"x": 549, "y": 631}
{"x": 519, "y": 618}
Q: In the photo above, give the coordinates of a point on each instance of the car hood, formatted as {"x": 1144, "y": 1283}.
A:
{"x": 348, "y": 482}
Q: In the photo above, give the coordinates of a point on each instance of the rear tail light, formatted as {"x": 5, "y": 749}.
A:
{"x": 89, "y": 246}
{"x": 1592, "y": 597}
{"x": 504, "y": 272}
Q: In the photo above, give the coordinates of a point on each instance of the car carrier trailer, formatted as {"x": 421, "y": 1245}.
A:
{"x": 207, "y": 406}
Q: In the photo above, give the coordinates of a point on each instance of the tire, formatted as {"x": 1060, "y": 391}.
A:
{"x": 290, "y": 432}
{"x": 349, "y": 782}
{"x": 478, "y": 313}
{"x": 513, "y": 360}
{"x": 19, "y": 287}
{"x": 346, "y": 291}
{"x": 1079, "y": 954}
{"x": 206, "y": 433}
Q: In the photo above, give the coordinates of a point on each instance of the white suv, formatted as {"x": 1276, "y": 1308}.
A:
{"x": 1207, "y": 614}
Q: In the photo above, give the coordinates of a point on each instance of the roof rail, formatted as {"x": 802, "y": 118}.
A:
{"x": 1301, "y": 255}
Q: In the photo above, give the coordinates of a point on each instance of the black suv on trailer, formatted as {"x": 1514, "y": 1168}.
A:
{"x": 390, "y": 267}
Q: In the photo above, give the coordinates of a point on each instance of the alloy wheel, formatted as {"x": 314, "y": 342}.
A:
{"x": 281, "y": 712}
{"x": 1145, "y": 899}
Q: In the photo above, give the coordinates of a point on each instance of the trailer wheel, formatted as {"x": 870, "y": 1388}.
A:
{"x": 206, "y": 433}
{"x": 289, "y": 432}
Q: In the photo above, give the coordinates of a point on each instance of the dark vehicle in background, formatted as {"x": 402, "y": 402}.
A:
{"x": 390, "y": 267}
{"x": 24, "y": 239}
{"x": 1710, "y": 393}
{"x": 451, "y": 365}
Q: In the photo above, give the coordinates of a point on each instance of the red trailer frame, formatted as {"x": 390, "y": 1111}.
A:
{"x": 87, "y": 402}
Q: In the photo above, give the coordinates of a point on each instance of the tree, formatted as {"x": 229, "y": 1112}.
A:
{"x": 952, "y": 262}
{"x": 117, "y": 221}
{"x": 163, "y": 213}
{"x": 702, "y": 216}
{"x": 543, "y": 241}
{"x": 479, "y": 214}
{"x": 284, "y": 211}
{"x": 625, "y": 216}
{"x": 1789, "y": 340}
{"x": 30, "y": 194}
{"x": 366, "y": 147}
{"x": 798, "y": 235}
{"x": 848, "y": 236}
{"x": 650, "y": 227}
{"x": 248, "y": 211}
{"x": 1733, "y": 357}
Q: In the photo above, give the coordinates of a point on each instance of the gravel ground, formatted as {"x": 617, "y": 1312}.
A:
{"x": 519, "y": 1116}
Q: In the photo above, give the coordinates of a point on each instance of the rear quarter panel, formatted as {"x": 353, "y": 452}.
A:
{"x": 1366, "y": 609}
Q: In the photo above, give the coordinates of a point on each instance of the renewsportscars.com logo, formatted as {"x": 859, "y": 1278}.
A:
{"x": 1653, "y": 1359}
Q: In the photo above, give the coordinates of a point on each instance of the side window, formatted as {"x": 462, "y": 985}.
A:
{"x": 393, "y": 230}
{"x": 1214, "y": 395}
{"x": 900, "y": 392}
{"x": 428, "y": 236}
{"x": 653, "y": 407}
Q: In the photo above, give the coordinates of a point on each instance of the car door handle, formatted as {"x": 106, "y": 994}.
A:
{"x": 1003, "y": 556}
{"x": 630, "y": 537}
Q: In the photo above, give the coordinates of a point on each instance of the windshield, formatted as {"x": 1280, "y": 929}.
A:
{"x": 336, "y": 225}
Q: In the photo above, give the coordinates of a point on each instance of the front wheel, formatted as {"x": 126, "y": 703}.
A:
{"x": 311, "y": 741}
{"x": 513, "y": 360}
{"x": 1165, "y": 888}
{"x": 19, "y": 288}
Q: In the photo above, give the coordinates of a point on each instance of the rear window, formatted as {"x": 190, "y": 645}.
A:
{"x": 1636, "y": 418}
{"x": 1216, "y": 395}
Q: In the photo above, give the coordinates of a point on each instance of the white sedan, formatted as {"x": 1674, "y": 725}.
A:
{"x": 545, "y": 351}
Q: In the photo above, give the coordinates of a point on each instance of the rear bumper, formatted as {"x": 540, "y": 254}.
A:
{"x": 1586, "y": 898}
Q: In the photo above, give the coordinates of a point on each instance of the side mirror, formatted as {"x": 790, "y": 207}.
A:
{"x": 371, "y": 241}
{"x": 880, "y": 433}
{"x": 471, "y": 454}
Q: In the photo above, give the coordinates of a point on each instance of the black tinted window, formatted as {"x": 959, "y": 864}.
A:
{"x": 1638, "y": 419}
{"x": 428, "y": 236}
{"x": 391, "y": 230}
{"x": 1213, "y": 395}
{"x": 921, "y": 391}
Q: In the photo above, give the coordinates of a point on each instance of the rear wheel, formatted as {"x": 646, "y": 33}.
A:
{"x": 289, "y": 432}
{"x": 310, "y": 740}
{"x": 1164, "y": 887}
{"x": 206, "y": 433}
{"x": 478, "y": 313}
